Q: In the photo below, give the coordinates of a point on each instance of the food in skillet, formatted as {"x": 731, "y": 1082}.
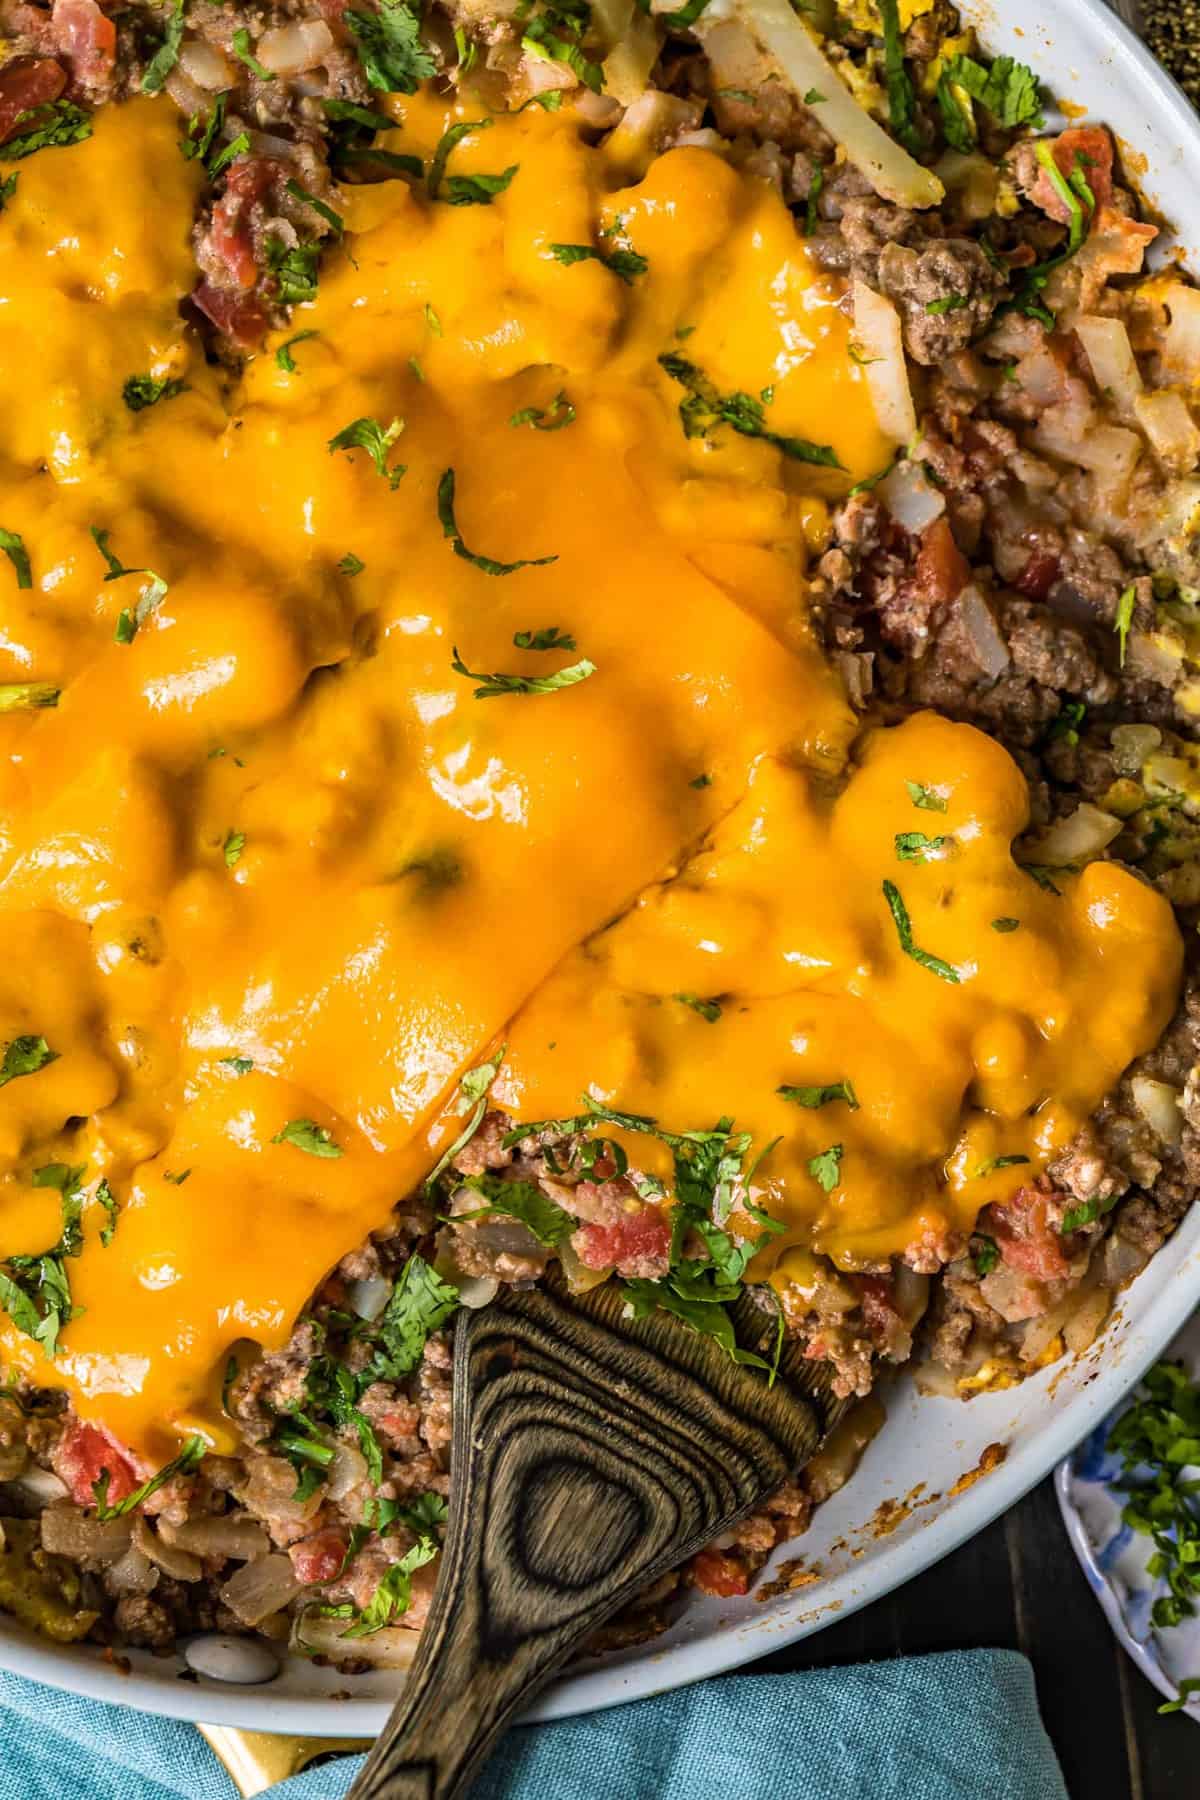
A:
{"x": 599, "y": 668}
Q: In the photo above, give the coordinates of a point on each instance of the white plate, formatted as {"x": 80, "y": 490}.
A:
{"x": 909, "y": 1504}
{"x": 1114, "y": 1556}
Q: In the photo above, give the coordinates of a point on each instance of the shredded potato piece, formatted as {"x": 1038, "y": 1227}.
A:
{"x": 889, "y": 168}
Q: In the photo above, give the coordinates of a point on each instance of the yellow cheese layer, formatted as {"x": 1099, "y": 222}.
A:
{"x": 278, "y": 826}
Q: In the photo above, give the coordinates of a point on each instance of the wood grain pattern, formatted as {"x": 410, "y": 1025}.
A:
{"x": 591, "y": 1453}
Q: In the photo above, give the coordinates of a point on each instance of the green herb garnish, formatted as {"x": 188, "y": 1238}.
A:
{"x": 1124, "y": 618}
{"x": 51, "y": 125}
{"x": 25, "y": 1056}
{"x": 1157, "y": 1440}
{"x": 899, "y": 912}
{"x": 12, "y": 544}
{"x": 927, "y": 798}
{"x": 488, "y": 564}
{"x": 283, "y": 356}
{"x": 189, "y": 1458}
{"x": 141, "y": 391}
{"x": 708, "y": 1009}
{"x": 130, "y": 620}
{"x": 313, "y": 1139}
{"x": 826, "y": 1167}
{"x": 560, "y": 412}
{"x": 240, "y": 46}
{"x": 371, "y": 436}
{"x": 814, "y": 1097}
{"x": 523, "y": 1200}
{"x": 167, "y": 54}
{"x": 705, "y": 408}
{"x": 394, "y": 59}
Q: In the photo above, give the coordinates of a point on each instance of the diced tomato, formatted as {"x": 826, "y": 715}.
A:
{"x": 1026, "y": 1236}
{"x": 86, "y": 37}
{"x": 24, "y": 85}
{"x": 942, "y": 571}
{"x": 713, "y": 1572}
{"x": 84, "y": 1452}
{"x": 319, "y": 1557}
{"x": 240, "y": 316}
{"x": 1039, "y": 574}
{"x": 639, "y": 1244}
{"x": 247, "y": 182}
{"x": 1088, "y": 148}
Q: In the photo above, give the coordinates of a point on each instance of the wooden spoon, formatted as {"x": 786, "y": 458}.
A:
{"x": 591, "y": 1453}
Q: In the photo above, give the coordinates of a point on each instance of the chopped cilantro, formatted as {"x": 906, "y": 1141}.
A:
{"x": 1007, "y": 89}
{"x": 25, "y": 1056}
{"x": 814, "y": 1097}
{"x": 1158, "y": 1439}
{"x": 1005, "y": 925}
{"x": 313, "y": 1139}
{"x": 333, "y": 219}
{"x": 903, "y": 924}
{"x": 625, "y": 263}
{"x": 1066, "y": 725}
{"x": 478, "y": 190}
{"x": 371, "y": 436}
{"x": 902, "y": 106}
{"x": 432, "y": 320}
{"x": 813, "y": 97}
{"x": 556, "y": 35}
{"x": 35, "y": 1291}
{"x": 420, "y": 1303}
{"x": 1076, "y": 224}
{"x": 705, "y": 408}
{"x": 241, "y": 49}
{"x": 1187, "y": 1687}
{"x": 709, "y": 1010}
{"x": 701, "y": 781}
{"x": 947, "y": 304}
{"x": 294, "y": 267}
{"x": 1076, "y": 1217}
{"x": 130, "y": 620}
{"x": 928, "y": 798}
{"x": 393, "y": 1596}
{"x": 488, "y": 564}
{"x": 51, "y": 125}
{"x": 167, "y": 55}
{"x": 231, "y": 849}
{"x": 826, "y": 1167}
{"x": 986, "y": 1256}
{"x": 394, "y": 59}
{"x": 176, "y": 1179}
{"x": 189, "y": 1458}
{"x": 549, "y": 638}
{"x": 560, "y": 412}
{"x": 523, "y": 1200}
{"x": 241, "y": 1065}
{"x": 998, "y": 1162}
{"x": 451, "y": 137}
{"x": 8, "y": 187}
{"x": 473, "y": 1089}
{"x": 914, "y": 846}
{"x": 491, "y": 686}
{"x": 106, "y": 1199}
{"x": 283, "y": 356}
{"x": 351, "y": 565}
{"x": 141, "y": 391}
{"x": 13, "y": 546}
{"x": 348, "y": 112}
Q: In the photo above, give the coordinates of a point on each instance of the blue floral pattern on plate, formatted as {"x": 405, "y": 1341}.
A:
{"x": 1114, "y": 1557}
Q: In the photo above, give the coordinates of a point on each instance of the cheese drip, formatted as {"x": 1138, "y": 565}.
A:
{"x": 274, "y": 860}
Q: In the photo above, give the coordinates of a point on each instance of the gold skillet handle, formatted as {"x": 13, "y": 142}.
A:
{"x": 256, "y": 1760}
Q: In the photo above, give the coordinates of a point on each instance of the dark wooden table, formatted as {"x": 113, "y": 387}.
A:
{"x": 1018, "y": 1587}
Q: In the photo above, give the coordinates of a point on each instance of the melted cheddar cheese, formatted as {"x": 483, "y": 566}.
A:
{"x": 269, "y": 857}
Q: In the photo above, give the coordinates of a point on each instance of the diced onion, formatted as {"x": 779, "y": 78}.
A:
{"x": 990, "y": 649}
{"x": 66, "y": 1531}
{"x": 1079, "y": 837}
{"x": 1109, "y": 451}
{"x": 1131, "y": 745}
{"x": 1181, "y": 340}
{"x": 972, "y": 179}
{"x": 391, "y": 1648}
{"x": 216, "y": 1534}
{"x": 204, "y": 64}
{"x": 132, "y": 1573}
{"x": 1171, "y": 429}
{"x": 477, "y": 1291}
{"x": 889, "y": 168}
{"x": 290, "y": 49}
{"x": 347, "y": 1470}
{"x": 42, "y": 1486}
{"x": 632, "y": 48}
{"x": 181, "y": 1565}
{"x": 1114, "y": 367}
{"x": 648, "y": 122}
{"x": 881, "y": 343}
{"x": 368, "y": 1298}
{"x": 261, "y": 1588}
{"x": 1159, "y": 1104}
{"x": 911, "y": 497}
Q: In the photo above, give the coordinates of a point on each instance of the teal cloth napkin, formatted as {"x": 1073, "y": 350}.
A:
{"x": 918, "y": 1728}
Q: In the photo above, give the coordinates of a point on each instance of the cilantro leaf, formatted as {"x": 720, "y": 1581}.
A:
{"x": 488, "y": 564}
{"x": 814, "y": 1097}
{"x": 993, "y": 1163}
{"x": 371, "y": 436}
{"x": 294, "y": 267}
{"x": 1124, "y": 619}
{"x": 914, "y": 846}
{"x": 393, "y": 1597}
{"x": 240, "y": 45}
{"x": 12, "y": 544}
{"x": 351, "y": 565}
{"x": 141, "y": 391}
{"x": 8, "y": 187}
{"x": 1076, "y": 1217}
{"x": 826, "y": 1167}
{"x": 313, "y": 1139}
{"x": 929, "y": 799}
{"x": 705, "y": 408}
{"x": 1005, "y": 925}
{"x": 420, "y": 1304}
{"x": 492, "y": 686}
{"x": 152, "y": 595}
{"x": 241, "y": 1065}
{"x": 50, "y": 125}
{"x": 25, "y": 1056}
{"x": 231, "y": 849}
{"x": 986, "y": 1256}
{"x": 625, "y": 263}
{"x": 1157, "y": 1439}
{"x": 1008, "y": 90}
{"x": 283, "y": 356}
{"x": 473, "y": 1089}
{"x": 560, "y": 412}
{"x": 105, "y": 1198}
{"x": 167, "y": 54}
{"x": 902, "y": 106}
{"x": 394, "y": 59}
{"x": 333, "y": 219}
{"x": 452, "y": 136}
{"x": 189, "y": 1458}
{"x": 522, "y": 1200}
{"x": 556, "y": 35}
{"x": 935, "y": 964}
{"x": 549, "y": 638}
{"x": 35, "y": 1291}
{"x": 707, "y": 1009}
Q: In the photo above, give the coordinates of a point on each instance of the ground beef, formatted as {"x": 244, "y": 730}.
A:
{"x": 946, "y": 293}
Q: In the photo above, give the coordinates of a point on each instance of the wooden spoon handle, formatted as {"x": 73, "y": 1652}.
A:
{"x": 587, "y": 1460}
